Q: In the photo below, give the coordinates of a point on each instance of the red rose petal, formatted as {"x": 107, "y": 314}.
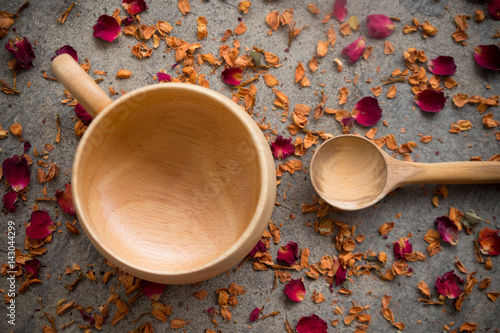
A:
{"x": 489, "y": 242}
{"x": 288, "y": 253}
{"x": 134, "y": 6}
{"x": 27, "y": 146}
{"x": 379, "y": 26}
{"x": 488, "y": 56}
{"x": 66, "y": 49}
{"x": 448, "y": 285}
{"x": 447, "y": 229}
{"x": 254, "y": 315}
{"x": 163, "y": 77}
{"x": 442, "y": 65}
{"x": 402, "y": 247}
{"x": 311, "y": 324}
{"x": 87, "y": 317}
{"x": 152, "y": 290}
{"x": 22, "y": 51}
{"x": 9, "y": 199}
{"x": 295, "y": 290}
{"x": 259, "y": 247}
{"x": 41, "y": 225}
{"x": 107, "y": 28}
{"x": 31, "y": 268}
{"x": 367, "y": 111}
{"x": 339, "y": 10}
{"x": 232, "y": 76}
{"x": 82, "y": 114}
{"x": 430, "y": 100}
{"x": 494, "y": 9}
{"x": 17, "y": 172}
{"x": 282, "y": 148}
{"x": 65, "y": 200}
{"x": 340, "y": 275}
{"x": 354, "y": 50}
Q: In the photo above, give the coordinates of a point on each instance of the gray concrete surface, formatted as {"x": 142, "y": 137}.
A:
{"x": 36, "y": 107}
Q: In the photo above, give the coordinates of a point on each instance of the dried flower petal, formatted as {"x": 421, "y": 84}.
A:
{"x": 65, "y": 200}
{"x": 22, "y": 51}
{"x": 254, "y": 315}
{"x": 40, "y": 226}
{"x": 402, "y": 247}
{"x": 259, "y": 247}
{"x": 295, "y": 290}
{"x": 17, "y": 172}
{"x": 430, "y": 100}
{"x": 152, "y": 290}
{"x": 232, "y": 76}
{"x": 163, "y": 77}
{"x": 355, "y": 50}
{"x": 31, "y": 268}
{"x": 282, "y": 147}
{"x": 494, "y": 9}
{"x": 488, "y": 56}
{"x": 489, "y": 242}
{"x": 339, "y": 10}
{"x": 442, "y": 65}
{"x": 447, "y": 229}
{"x": 9, "y": 199}
{"x": 107, "y": 28}
{"x": 288, "y": 253}
{"x": 340, "y": 275}
{"x": 379, "y": 26}
{"x": 134, "y": 6}
{"x": 367, "y": 112}
{"x": 311, "y": 324}
{"x": 83, "y": 115}
{"x": 66, "y": 49}
{"x": 448, "y": 285}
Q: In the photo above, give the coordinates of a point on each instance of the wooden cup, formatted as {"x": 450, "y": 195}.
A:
{"x": 173, "y": 183}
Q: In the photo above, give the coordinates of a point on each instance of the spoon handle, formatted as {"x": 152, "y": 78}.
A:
{"x": 449, "y": 173}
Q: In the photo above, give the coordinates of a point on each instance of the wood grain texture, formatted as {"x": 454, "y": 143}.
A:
{"x": 174, "y": 183}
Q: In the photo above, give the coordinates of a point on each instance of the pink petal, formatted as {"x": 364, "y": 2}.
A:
{"x": 152, "y": 290}
{"x": 41, "y": 225}
{"x": 311, "y": 324}
{"x": 339, "y": 10}
{"x": 295, "y": 290}
{"x": 254, "y": 315}
{"x": 288, "y": 253}
{"x": 27, "y": 146}
{"x": 494, "y": 9}
{"x": 17, "y": 172}
{"x": 282, "y": 147}
{"x": 87, "y": 317}
{"x": 430, "y": 100}
{"x": 259, "y": 247}
{"x": 448, "y": 285}
{"x": 402, "y": 247}
{"x": 340, "y": 275}
{"x": 163, "y": 77}
{"x": 82, "y": 114}
{"x": 22, "y": 51}
{"x": 134, "y": 6}
{"x": 31, "y": 268}
{"x": 232, "y": 76}
{"x": 489, "y": 242}
{"x": 379, "y": 26}
{"x": 488, "y": 56}
{"x": 66, "y": 49}
{"x": 354, "y": 50}
{"x": 447, "y": 229}
{"x": 107, "y": 28}
{"x": 65, "y": 200}
{"x": 9, "y": 199}
{"x": 367, "y": 112}
{"x": 442, "y": 65}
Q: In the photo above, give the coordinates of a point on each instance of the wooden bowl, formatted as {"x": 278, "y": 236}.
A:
{"x": 173, "y": 183}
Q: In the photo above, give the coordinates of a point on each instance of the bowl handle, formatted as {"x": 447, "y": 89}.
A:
{"x": 80, "y": 84}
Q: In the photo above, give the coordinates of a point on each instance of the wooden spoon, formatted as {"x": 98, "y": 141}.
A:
{"x": 351, "y": 173}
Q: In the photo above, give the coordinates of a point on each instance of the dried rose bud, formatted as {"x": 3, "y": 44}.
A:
{"x": 31, "y": 268}
{"x": 68, "y": 50}
{"x": 355, "y": 50}
{"x": 447, "y": 229}
{"x": 232, "y": 76}
{"x": 40, "y": 226}
{"x": 288, "y": 253}
{"x": 107, "y": 28}
{"x": 379, "y": 26}
{"x": 83, "y": 115}
{"x": 442, "y": 65}
{"x": 254, "y": 315}
{"x": 22, "y": 51}
{"x": 9, "y": 200}
{"x": 17, "y": 172}
{"x": 163, "y": 77}
{"x": 311, "y": 324}
{"x": 152, "y": 290}
{"x": 339, "y": 10}
{"x": 494, "y": 9}
{"x": 134, "y": 6}
{"x": 488, "y": 56}
{"x": 367, "y": 111}
{"x": 402, "y": 247}
{"x": 65, "y": 200}
{"x": 295, "y": 290}
{"x": 448, "y": 285}
{"x": 489, "y": 242}
{"x": 282, "y": 148}
{"x": 430, "y": 100}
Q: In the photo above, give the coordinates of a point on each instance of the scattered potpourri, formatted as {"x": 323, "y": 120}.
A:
{"x": 337, "y": 272}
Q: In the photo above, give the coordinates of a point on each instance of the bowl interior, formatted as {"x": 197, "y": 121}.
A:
{"x": 168, "y": 179}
